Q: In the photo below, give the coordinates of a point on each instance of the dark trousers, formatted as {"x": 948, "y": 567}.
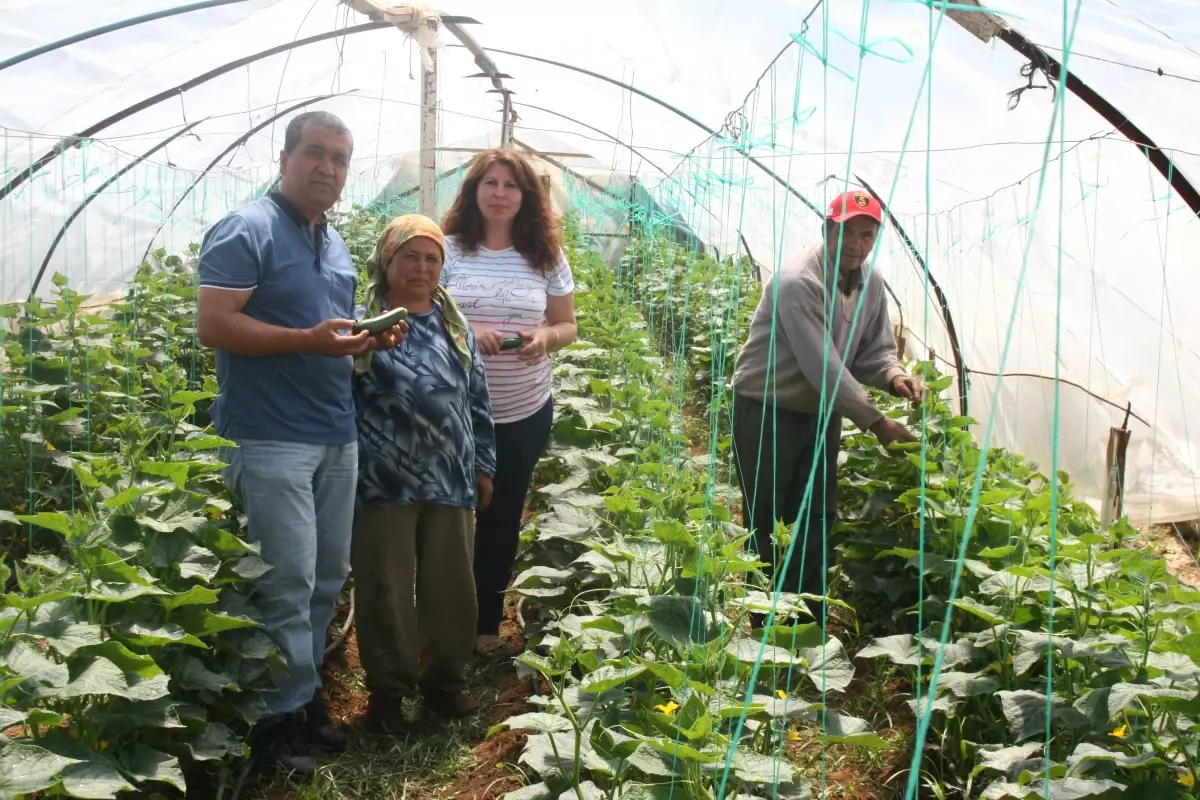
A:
{"x": 519, "y": 445}
{"x": 412, "y": 578}
{"x": 774, "y": 450}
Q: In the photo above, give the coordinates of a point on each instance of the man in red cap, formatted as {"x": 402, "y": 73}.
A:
{"x": 780, "y": 386}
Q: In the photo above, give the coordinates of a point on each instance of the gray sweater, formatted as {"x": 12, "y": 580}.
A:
{"x": 805, "y": 298}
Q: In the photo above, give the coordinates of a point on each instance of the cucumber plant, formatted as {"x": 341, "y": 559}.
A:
{"x": 644, "y": 656}
{"x": 1083, "y": 639}
{"x": 130, "y": 648}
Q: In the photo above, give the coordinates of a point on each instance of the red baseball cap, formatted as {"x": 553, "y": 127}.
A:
{"x": 854, "y": 204}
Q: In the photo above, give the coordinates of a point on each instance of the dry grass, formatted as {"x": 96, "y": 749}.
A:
{"x": 1179, "y": 546}
{"x": 454, "y": 760}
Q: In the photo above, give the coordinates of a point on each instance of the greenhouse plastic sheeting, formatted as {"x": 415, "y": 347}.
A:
{"x": 962, "y": 172}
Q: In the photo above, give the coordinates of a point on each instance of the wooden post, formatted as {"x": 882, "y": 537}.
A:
{"x": 898, "y": 332}
{"x": 427, "y": 173}
{"x": 1114, "y": 471}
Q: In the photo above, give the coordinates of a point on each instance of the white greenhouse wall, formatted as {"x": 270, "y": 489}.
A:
{"x": 903, "y": 98}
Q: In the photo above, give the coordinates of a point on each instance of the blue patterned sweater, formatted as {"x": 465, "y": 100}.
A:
{"x": 424, "y": 425}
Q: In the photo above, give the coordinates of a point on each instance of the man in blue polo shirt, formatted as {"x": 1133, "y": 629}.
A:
{"x": 277, "y": 292}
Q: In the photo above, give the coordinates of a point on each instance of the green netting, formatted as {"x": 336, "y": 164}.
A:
{"x": 985, "y": 634}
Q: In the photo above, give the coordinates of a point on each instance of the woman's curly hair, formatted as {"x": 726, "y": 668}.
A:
{"x": 535, "y": 230}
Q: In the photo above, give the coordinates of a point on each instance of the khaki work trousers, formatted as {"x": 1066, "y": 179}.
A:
{"x": 415, "y": 597}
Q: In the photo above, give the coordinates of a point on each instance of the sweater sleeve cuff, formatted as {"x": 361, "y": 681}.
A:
{"x": 889, "y": 375}
{"x": 866, "y": 416}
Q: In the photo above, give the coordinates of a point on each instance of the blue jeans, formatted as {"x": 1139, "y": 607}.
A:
{"x": 299, "y": 504}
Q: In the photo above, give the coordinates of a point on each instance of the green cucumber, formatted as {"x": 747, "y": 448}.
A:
{"x": 513, "y": 343}
{"x": 377, "y": 325}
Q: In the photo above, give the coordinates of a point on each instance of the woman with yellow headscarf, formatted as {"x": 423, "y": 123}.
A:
{"x": 427, "y": 454}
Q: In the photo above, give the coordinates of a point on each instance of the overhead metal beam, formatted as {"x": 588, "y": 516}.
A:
{"x": 489, "y": 70}
{"x": 601, "y": 132}
{"x": 235, "y": 144}
{"x": 415, "y": 189}
{"x": 400, "y": 15}
{"x": 911, "y": 246}
{"x": 549, "y": 159}
{"x": 482, "y": 59}
{"x": 986, "y": 27}
{"x": 745, "y": 246}
{"x": 483, "y": 149}
{"x": 628, "y": 147}
{"x": 71, "y": 142}
{"x": 99, "y": 190}
{"x": 50, "y": 47}
{"x": 666, "y": 105}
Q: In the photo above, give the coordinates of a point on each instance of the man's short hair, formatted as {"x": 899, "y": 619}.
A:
{"x": 295, "y": 128}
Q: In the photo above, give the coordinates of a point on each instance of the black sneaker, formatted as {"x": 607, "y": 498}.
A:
{"x": 321, "y": 731}
{"x": 283, "y": 743}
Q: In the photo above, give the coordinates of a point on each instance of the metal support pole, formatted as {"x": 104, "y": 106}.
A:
{"x": 749, "y": 255}
{"x": 960, "y": 364}
{"x": 429, "y": 139}
{"x": 506, "y": 126}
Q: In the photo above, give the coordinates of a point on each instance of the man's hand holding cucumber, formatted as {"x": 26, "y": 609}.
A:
{"x": 378, "y": 333}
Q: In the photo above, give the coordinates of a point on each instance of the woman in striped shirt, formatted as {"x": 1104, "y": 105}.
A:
{"x": 506, "y": 269}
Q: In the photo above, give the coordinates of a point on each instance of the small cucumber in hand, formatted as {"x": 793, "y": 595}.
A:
{"x": 511, "y": 343}
{"x": 377, "y": 325}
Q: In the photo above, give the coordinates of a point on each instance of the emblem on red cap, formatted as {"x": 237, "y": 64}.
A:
{"x": 852, "y": 204}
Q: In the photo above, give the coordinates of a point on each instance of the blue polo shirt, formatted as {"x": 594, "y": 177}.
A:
{"x": 300, "y": 276}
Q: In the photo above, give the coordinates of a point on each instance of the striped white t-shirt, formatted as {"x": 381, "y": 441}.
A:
{"x": 499, "y": 289}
